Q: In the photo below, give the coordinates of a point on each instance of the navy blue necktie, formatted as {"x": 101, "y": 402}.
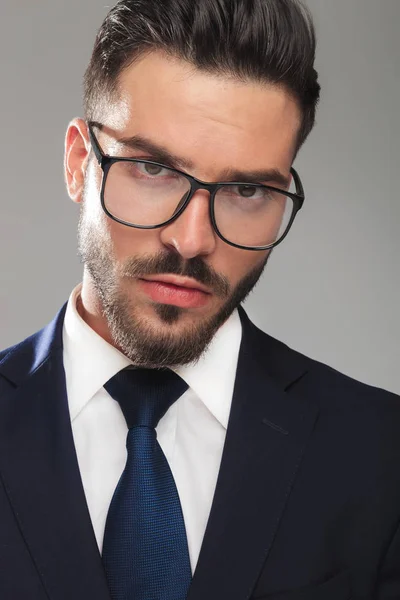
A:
{"x": 145, "y": 552}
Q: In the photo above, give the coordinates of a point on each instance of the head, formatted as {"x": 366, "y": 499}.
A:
{"x": 212, "y": 88}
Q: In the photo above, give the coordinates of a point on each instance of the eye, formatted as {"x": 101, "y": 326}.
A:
{"x": 152, "y": 170}
{"x": 247, "y": 191}
{"x": 251, "y": 192}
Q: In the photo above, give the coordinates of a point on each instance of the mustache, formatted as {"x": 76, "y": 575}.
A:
{"x": 173, "y": 264}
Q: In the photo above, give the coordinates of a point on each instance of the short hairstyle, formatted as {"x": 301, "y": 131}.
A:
{"x": 266, "y": 41}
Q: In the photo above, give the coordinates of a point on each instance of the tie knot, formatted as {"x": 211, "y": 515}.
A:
{"x": 145, "y": 395}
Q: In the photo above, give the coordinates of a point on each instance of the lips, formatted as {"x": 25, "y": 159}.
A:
{"x": 178, "y": 281}
{"x": 176, "y": 291}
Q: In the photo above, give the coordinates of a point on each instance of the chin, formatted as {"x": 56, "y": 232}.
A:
{"x": 169, "y": 314}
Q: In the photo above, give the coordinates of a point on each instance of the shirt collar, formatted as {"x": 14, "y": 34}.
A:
{"x": 212, "y": 377}
{"x": 90, "y": 361}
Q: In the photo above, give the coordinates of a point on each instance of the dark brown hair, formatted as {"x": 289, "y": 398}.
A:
{"x": 270, "y": 41}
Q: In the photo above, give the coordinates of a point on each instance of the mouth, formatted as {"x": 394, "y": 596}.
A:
{"x": 175, "y": 290}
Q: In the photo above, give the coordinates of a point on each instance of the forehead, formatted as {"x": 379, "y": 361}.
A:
{"x": 212, "y": 120}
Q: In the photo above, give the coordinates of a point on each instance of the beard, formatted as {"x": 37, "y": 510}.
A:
{"x": 145, "y": 344}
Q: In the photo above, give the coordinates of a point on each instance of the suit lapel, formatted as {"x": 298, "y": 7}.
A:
{"x": 39, "y": 467}
{"x": 266, "y": 437}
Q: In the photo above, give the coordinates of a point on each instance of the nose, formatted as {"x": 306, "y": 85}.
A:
{"x": 192, "y": 233}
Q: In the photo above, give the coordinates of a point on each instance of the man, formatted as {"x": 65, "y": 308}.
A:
{"x": 272, "y": 475}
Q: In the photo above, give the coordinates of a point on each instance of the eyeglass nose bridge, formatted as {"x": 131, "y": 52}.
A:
{"x": 195, "y": 186}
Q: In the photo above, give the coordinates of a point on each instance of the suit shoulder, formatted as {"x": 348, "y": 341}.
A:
{"x": 3, "y": 353}
{"x": 20, "y": 346}
{"x": 335, "y": 386}
{"x": 25, "y": 356}
{"x": 17, "y": 355}
{"x": 343, "y": 386}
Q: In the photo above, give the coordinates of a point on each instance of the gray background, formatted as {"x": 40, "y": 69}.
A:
{"x": 331, "y": 290}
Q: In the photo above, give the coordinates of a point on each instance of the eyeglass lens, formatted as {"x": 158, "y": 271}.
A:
{"x": 143, "y": 194}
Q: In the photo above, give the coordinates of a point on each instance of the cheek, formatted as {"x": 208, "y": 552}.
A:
{"x": 122, "y": 241}
{"x": 129, "y": 242}
{"x": 235, "y": 263}
{"x": 91, "y": 200}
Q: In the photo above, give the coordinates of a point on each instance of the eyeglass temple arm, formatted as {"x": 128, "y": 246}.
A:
{"x": 297, "y": 182}
{"x": 99, "y": 154}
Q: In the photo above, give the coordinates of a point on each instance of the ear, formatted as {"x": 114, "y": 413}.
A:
{"x": 77, "y": 150}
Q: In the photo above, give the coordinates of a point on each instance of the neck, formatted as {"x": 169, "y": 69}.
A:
{"x": 90, "y": 309}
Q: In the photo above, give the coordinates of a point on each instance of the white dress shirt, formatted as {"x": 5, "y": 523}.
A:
{"x": 191, "y": 433}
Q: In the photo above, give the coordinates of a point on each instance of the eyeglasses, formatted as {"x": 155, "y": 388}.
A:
{"x": 147, "y": 195}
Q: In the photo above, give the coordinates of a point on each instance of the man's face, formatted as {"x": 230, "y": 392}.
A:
{"x": 214, "y": 124}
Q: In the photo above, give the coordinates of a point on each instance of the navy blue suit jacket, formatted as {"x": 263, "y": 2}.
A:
{"x": 307, "y": 504}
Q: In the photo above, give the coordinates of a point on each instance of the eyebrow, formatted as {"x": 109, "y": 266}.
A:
{"x": 164, "y": 156}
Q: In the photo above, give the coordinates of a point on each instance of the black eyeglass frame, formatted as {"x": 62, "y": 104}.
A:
{"x": 106, "y": 161}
